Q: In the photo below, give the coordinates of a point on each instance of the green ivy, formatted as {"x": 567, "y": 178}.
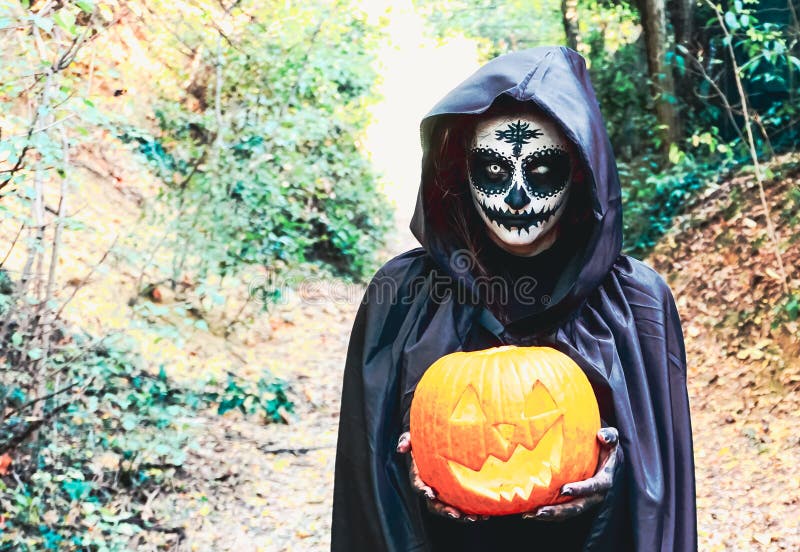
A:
{"x": 267, "y": 396}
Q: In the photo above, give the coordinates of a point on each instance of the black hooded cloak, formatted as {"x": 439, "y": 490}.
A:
{"x": 612, "y": 314}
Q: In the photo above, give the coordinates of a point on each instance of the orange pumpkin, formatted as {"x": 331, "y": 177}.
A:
{"x": 499, "y": 431}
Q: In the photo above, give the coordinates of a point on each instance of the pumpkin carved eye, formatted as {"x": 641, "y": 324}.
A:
{"x": 540, "y": 412}
{"x": 468, "y": 409}
{"x": 468, "y": 425}
{"x": 499, "y": 431}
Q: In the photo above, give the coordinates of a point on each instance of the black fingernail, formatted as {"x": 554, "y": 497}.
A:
{"x": 566, "y": 491}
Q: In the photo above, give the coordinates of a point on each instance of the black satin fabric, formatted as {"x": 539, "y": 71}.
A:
{"x": 612, "y": 314}
{"x": 530, "y": 282}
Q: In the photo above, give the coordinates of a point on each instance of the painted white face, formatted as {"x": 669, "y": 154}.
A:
{"x": 520, "y": 170}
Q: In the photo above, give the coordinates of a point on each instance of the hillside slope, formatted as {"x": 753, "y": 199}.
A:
{"x": 742, "y": 349}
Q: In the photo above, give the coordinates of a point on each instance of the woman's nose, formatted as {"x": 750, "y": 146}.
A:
{"x": 517, "y": 197}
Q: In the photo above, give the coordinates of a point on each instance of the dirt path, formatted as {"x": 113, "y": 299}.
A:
{"x": 268, "y": 487}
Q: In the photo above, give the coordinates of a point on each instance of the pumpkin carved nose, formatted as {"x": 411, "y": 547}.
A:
{"x": 506, "y": 431}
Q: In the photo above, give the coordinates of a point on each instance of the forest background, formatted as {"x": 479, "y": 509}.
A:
{"x": 193, "y": 193}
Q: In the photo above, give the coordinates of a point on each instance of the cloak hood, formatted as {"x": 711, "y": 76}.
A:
{"x": 556, "y": 81}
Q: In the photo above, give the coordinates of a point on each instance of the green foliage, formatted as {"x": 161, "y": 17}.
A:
{"x": 261, "y": 160}
{"x": 57, "y": 102}
{"x": 787, "y": 310}
{"x": 500, "y": 27}
{"x": 93, "y": 433}
{"x": 114, "y": 433}
{"x": 652, "y": 197}
{"x": 615, "y": 54}
{"x": 267, "y": 395}
{"x": 767, "y": 52}
{"x": 111, "y": 430}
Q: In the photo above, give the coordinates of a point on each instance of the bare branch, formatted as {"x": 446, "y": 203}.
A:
{"x": 36, "y": 400}
{"x": 13, "y": 243}
{"x": 85, "y": 280}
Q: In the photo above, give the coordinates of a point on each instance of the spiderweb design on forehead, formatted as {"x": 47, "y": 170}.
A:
{"x": 519, "y": 134}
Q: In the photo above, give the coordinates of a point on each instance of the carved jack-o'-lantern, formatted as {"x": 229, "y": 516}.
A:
{"x": 500, "y": 431}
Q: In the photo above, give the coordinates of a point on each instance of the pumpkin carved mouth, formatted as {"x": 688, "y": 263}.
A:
{"x": 537, "y": 465}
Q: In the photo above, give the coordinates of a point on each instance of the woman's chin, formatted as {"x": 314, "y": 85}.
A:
{"x": 524, "y": 244}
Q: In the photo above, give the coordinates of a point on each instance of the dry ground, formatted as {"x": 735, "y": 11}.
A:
{"x": 268, "y": 487}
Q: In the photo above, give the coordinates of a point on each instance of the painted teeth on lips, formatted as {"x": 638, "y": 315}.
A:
{"x": 508, "y": 214}
{"x": 519, "y": 212}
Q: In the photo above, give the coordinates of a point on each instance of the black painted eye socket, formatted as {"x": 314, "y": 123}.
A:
{"x": 547, "y": 172}
{"x": 490, "y": 171}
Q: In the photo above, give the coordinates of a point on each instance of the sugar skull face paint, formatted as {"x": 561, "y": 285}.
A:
{"x": 520, "y": 170}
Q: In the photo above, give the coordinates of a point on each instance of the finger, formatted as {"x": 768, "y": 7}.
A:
{"x": 418, "y": 484}
{"x": 560, "y": 512}
{"x": 600, "y": 483}
{"x": 404, "y": 443}
{"x": 608, "y": 436}
{"x": 442, "y": 509}
{"x": 473, "y": 517}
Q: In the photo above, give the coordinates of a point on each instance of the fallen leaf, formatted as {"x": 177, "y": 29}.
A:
{"x": 762, "y": 538}
{"x": 5, "y": 462}
{"x": 763, "y": 343}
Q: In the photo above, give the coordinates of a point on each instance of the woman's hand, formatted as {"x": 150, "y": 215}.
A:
{"x": 435, "y": 505}
{"x": 586, "y": 493}
{"x": 589, "y": 492}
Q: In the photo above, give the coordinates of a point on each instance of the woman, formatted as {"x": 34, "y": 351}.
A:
{"x": 519, "y": 219}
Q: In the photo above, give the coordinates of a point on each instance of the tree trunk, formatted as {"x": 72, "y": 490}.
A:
{"x": 569, "y": 13}
{"x": 654, "y": 25}
{"x": 680, "y": 14}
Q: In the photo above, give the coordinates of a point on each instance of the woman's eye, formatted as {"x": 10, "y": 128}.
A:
{"x": 495, "y": 171}
{"x": 539, "y": 169}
